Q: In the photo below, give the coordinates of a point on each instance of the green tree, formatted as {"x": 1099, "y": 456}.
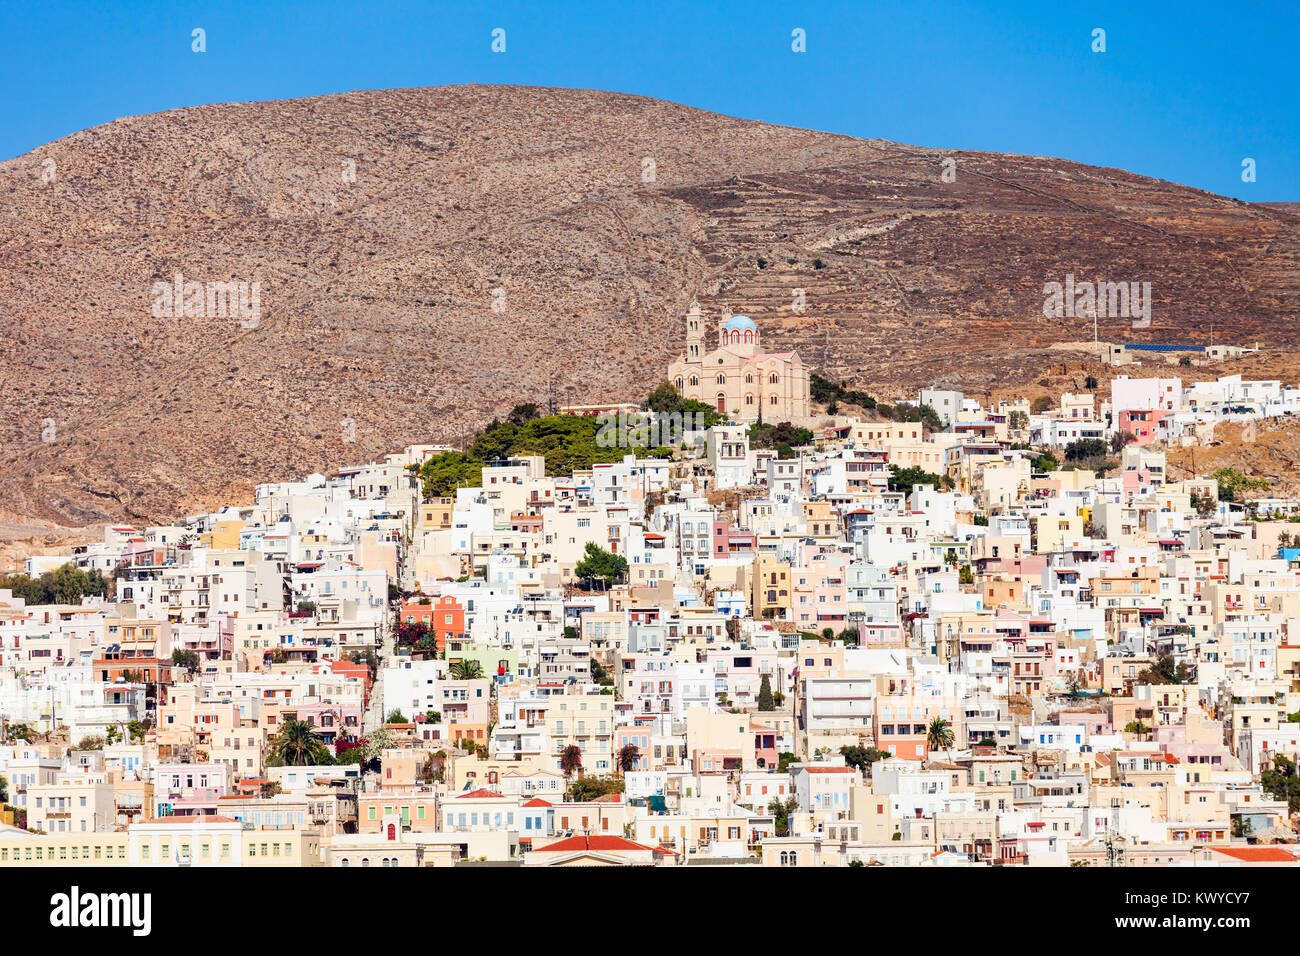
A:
{"x": 966, "y": 575}
{"x": 395, "y": 716}
{"x": 66, "y": 584}
{"x": 523, "y": 413}
{"x": 1045, "y": 461}
{"x": 601, "y": 565}
{"x": 1281, "y": 782}
{"x": 905, "y": 479}
{"x": 763, "y": 435}
{"x": 1165, "y": 671}
{"x": 297, "y": 745}
{"x": 21, "y": 732}
{"x": 781, "y": 811}
{"x": 600, "y": 674}
{"x": 765, "y": 701}
{"x": 1233, "y": 484}
{"x": 862, "y": 757}
{"x": 186, "y": 658}
{"x": 1085, "y": 449}
{"x": 938, "y": 735}
{"x": 465, "y": 669}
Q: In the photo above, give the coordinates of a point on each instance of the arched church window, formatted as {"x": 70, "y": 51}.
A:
{"x": 722, "y": 379}
{"x": 749, "y": 336}
{"x": 749, "y": 378}
{"x": 695, "y": 380}
{"x": 679, "y": 383}
{"x": 772, "y": 400}
{"x": 749, "y": 399}
{"x": 773, "y": 378}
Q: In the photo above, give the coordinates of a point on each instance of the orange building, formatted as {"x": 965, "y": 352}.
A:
{"x": 448, "y": 621}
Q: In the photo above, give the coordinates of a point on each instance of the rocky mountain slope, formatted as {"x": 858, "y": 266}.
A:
{"x": 598, "y": 216}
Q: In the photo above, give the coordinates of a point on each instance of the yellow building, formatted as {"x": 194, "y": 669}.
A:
{"x": 771, "y": 595}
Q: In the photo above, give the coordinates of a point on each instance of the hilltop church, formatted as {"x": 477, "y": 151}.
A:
{"x": 737, "y": 378}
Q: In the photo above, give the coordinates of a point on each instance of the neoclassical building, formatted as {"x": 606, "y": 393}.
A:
{"x": 737, "y": 377}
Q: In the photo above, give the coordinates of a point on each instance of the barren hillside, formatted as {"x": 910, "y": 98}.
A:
{"x": 377, "y": 294}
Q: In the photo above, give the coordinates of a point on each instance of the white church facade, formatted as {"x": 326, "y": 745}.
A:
{"x": 738, "y": 378}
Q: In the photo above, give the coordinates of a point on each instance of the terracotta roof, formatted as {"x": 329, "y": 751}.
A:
{"x": 831, "y": 769}
{"x": 479, "y": 794}
{"x": 1257, "y": 854}
{"x": 597, "y": 843}
{"x": 536, "y": 802}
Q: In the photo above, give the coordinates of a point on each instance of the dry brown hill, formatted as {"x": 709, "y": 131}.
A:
{"x": 377, "y": 294}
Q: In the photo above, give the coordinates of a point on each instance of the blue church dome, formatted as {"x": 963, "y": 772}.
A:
{"x": 741, "y": 322}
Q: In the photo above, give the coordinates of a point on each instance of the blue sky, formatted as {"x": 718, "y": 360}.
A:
{"x": 1184, "y": 91}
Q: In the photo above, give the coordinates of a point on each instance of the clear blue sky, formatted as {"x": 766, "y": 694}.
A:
{"x": 1184, "y": 91}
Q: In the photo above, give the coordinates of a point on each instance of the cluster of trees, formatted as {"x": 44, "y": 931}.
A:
{"x": 66, "y": 584}
{"x": 567, "y": 442}
{"x": 598, "y": 671}
{"x": 1232, "y": 484}
{"x": 831, "y": 394}
{"x": 666, "y": 400}
{"x": 415, "y": 634}
{"x": 781, "y": 810}
{"x": 905, "y": 479}
{"x": 784, "y": 437}
{"x": 601, "y": 565}
{"x": 1085, "y": 449}
{"x": 297, "y": 745}
{"x": 1282, "y": 783}
{"x": 1165, "y": 671}
{"x": 862, "y": 757}
{"x": 186, "y": 658}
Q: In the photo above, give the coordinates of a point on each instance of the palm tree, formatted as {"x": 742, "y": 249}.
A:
{"x": 628, "y": 757}
{"x": 939, "y": 736}
{"x": 466, "y": 670}
{"x": 297, "y": 745}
